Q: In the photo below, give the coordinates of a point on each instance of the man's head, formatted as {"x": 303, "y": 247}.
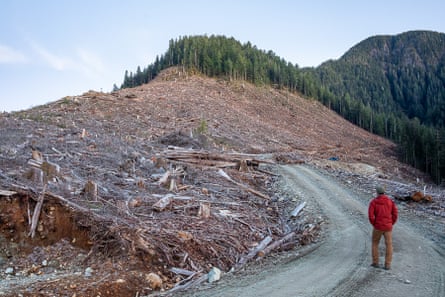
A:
{"x": 380, "y": 190}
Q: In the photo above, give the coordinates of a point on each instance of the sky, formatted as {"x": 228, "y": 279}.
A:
{"x": 50, "y": 49}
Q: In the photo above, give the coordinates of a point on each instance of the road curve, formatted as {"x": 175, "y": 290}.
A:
{"x": 340, "y": 266}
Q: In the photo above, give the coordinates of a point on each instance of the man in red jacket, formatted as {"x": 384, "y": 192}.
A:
{"x": 382, "y": 213}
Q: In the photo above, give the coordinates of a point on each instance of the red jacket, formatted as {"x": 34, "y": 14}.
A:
{"x": 382, "y": 213}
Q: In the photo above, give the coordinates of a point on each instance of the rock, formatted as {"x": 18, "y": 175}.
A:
{"x": 44, "y": 263}
{"x": 9, "y": 270}
{"x": 407, "y": 281}
{"x": 88, "y": 272}
{"x": 154, "y": 281}
{"x": 214, "y": 275}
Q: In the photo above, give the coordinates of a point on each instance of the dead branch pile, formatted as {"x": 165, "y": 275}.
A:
{"x": 215, "y": 159}
{"x": 152, "y": 207}
{"x": 151, "y": 179}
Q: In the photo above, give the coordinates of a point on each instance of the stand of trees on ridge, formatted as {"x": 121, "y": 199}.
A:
{"x": 393, "y": 86}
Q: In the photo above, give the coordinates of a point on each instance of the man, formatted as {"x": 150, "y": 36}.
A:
{"x": 382, "y": 213}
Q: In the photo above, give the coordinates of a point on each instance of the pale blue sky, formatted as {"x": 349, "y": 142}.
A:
{"x": 51, "y": 49}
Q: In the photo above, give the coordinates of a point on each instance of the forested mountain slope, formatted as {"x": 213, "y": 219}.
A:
{"x": 393, "y": 86}
{"x": 402, "y": 73}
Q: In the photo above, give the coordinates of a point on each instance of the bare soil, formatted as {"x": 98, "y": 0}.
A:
{"x": 123, "y": 142}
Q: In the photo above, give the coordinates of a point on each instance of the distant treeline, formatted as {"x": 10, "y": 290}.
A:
{"x": 403, "y": 105}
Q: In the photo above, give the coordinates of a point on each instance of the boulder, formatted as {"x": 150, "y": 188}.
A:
{"x": 214, "y": 275}
{"x": 154, "y": 281}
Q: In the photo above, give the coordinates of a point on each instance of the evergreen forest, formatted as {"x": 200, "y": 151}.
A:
{"x": 393, "y": 86}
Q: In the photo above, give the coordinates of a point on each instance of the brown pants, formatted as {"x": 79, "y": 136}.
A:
{"x": 376, "y": 235}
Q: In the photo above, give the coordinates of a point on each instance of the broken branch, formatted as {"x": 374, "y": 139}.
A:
{"x": 226, "y": 176}
{"x": 253, "y": 252}
{"x": 297, "y": 209}
{"x": 36, "y": 214}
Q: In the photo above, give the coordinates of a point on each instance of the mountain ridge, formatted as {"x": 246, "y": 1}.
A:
{"x": 404, "y": 104}
{"x": 394, "y": 86}
{"x": 235, "y": 115}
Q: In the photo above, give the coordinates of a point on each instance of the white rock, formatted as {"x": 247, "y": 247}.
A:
{"x": 214, "y": 275}
{"x": 89, "y": 271}
{"x": 9, "y": 270}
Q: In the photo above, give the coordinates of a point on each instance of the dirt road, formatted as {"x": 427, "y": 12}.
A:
{"x": 340, "y": 265}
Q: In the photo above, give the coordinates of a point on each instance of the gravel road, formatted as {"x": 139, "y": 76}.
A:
{"x": 340, "y": 264}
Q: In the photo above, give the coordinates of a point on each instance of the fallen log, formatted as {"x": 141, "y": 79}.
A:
{"x": 36, "y": 214}
{"x": 232, "y": 160}
{"x": 416, "y": 197}
{"x": 276, "y": 244}
{"x": 253, "y": 252}
{"x": 7, "y": 193}
{"x": 181, "y": 271}
{"x": 26, "y": 190}
{"x": 226, "y": 176}
{"x": 167, "y": 200}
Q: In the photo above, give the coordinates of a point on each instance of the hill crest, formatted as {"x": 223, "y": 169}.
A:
{"x": 237, "y": 116}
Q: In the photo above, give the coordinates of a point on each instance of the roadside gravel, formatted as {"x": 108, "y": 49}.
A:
{"x": 339, "y": 264}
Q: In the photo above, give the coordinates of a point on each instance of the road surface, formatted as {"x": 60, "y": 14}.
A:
{"x": 340, "y": 265}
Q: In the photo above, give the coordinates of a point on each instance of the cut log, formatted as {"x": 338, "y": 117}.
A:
{"x": 253, "y": 252}
{"x": 233, "y": 160}
{"x": 226, "y": 176}
{"x": 36, "y": 214}
{"x": 182, "y": 271}
{"x": 276, "y": 244}
{"x": 417, "y": 196}
{"x": 7, "y": 193}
